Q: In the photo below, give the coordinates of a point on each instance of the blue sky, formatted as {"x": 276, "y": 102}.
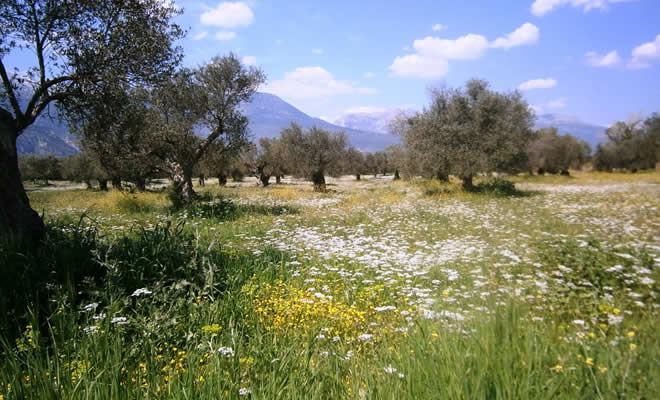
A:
{"x": 329, "y": 57}
{"x": 597, "y": 60}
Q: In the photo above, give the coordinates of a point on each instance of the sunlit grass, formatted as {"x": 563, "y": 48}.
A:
{"x": 377, "y": 289}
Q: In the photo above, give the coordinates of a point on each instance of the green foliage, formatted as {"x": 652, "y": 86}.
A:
{"x": 499, "y": 187}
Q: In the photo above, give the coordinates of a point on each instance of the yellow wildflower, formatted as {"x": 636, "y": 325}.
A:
{"x": 633, "y": 346}
{"x": 557, "y": 368}
{"x": 602, "y": 369}
{"x": 589, "y": 361}
{"x": 631, "y": 334}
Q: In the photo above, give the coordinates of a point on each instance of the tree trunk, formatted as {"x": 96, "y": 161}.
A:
{"x": 103, "y": 184}
{"x": 442, "y": 176}
{"x": 140, "y": 184}
{"x": 222, "y": 180}
{"x": 357, "y": 177}
{"x": 182, "y": 180}
{"x": 396, "y": 175}
{"x": 467, "y": 182}
{"x": 16, "y": 215}
{"x": 264, "y": 179}
{"x": 116, "y": 182}
{"x": 278, "y": 179}
{"x": 318, "y": 179}
{"x": 88, "y": 184}
{"x": 201, "y": 180}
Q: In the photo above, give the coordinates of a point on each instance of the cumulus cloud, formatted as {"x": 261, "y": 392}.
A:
{"x": 225, "y": 35}
{"x": 538, "y": 84}
{"x": 200, "y": 35}
{"x": 438, "y": 27}
{"x": 249, "y": 60}
{"x": 645, "y": 54}
{"x": 551, "y": 105}
{"x": 312, "y": 82}
{"x": 603, "y": 60}
{"x": 369, "y": 75}
{"x": 526, "y": 34}
{"x": 228, "y": 15}
{"x": 557, "y": 103}
{"x": 542, "y": 7}
{"x": 432, "y": 54}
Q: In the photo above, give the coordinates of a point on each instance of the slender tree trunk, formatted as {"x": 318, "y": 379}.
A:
{"x": 141, "y": 184}
{"x": 116, "y": 182}
{"x": 222, "y": 180}
{"x": 396, "y": 175}
{"x": 16, "y": 215}
{"x": 202, "y": 182}
{"x": 103, "y": 184}
{"x": 442, "y": 176}
{"x": 182, "y": 179}
{"x": 88, "y": 184}
{"x": 318, "y": 179}
{"x": 357, "y": 177}
{"x": 467, "y": 182}
{"x": 265, "y": 179}
{"x": 278, "y": 179}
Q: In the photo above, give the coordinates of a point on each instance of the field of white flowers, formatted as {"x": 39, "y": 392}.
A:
{"x": 376, "y": 289}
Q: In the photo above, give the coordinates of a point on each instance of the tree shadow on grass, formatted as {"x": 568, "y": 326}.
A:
{"x": 220, "y": 208}
{"x": 75, "y": 266}
{"x": 500, "y": 188}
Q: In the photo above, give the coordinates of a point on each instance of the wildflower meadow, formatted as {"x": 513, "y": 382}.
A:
{"x": 376, "y": 289}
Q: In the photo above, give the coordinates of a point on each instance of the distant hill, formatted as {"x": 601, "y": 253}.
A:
{"x": 592, "y": 134}
{"x": 47, "y": 136}
{"x": 373, "y": 121}
{"x": 268, "y": 115}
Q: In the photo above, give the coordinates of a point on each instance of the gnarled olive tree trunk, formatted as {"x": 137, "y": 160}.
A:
{"x": 182, "y": 179}
{"x": 16, "y": 215}
{"x": 318, "y": 179}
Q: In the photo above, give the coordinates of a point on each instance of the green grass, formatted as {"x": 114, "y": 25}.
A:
{"x": 378, "y": 290}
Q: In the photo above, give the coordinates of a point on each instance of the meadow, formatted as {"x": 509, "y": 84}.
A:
{"x": 377, "y": 289}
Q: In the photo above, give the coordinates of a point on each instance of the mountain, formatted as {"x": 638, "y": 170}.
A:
{"x": 592, "y": 134}
{"x": 47, "y": 136}
{"x": 372, "y": 120}
{"x": 378, "y": 121}
{"x": 267, "y": 113}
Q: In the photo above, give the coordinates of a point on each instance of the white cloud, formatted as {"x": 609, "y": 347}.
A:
{"x": 432, "y": 55}
{"x": 415, "y": 65}
{"x": 551, "y": 105}
{"x": 644, "y": 54}
{"x": 249, "y": 60}
{"x": 542, "y": 7}
{"x": 312, "y": 82}
{"x": 603, "y": 60}
{"x": 225, "y": 35}
{"x": 438, "y": 27}
{"x": 538, "y": 84}
{"x": 369, "y": 75}
{"x": 526, "y": 34}
{"x": 557, "y": 104}
{"x": 228, "y": 15}
{"x": 317, "y": 51}
{"x": 200, "y": 35}
{"x": 364, "y": 110}
{"x": 468, "y": 47}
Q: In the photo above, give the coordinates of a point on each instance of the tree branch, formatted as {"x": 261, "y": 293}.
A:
{"x": 18, "y": 115}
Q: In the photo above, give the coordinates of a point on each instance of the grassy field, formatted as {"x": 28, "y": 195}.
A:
{"x": 374, "y": 290}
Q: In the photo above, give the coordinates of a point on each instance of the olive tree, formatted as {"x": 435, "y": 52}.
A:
{"x": 469, "y": 131}
{"x": 631, "y": 146}
{"x": 554, "y": 153}
{"x": 314, "y": 153}
{"x": 73, "y": 45}
{"x": 204, "y": 102}
{"x": 354, "y": 163}
{"x": 265, "y": 160}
